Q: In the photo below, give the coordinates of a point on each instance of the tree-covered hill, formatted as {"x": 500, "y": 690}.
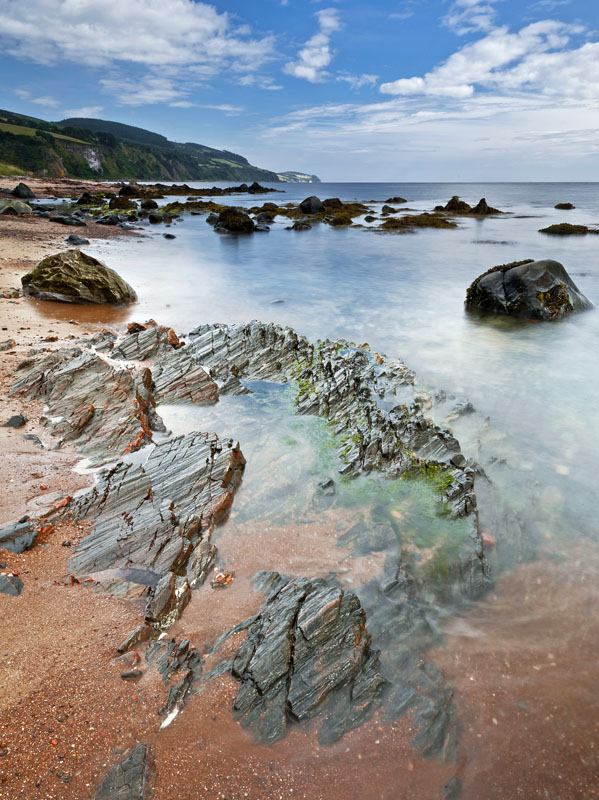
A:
{"x": 92, "y": 148}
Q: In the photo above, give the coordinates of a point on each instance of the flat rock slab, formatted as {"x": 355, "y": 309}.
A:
{"x": 129, "y": 779}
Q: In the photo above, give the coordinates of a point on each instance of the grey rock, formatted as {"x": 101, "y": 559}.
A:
{"x": 14, "y": 208}
{"x": 311, "y": 205}
{"x": 169, "y": 236}
{"x": 110, "y": 219}
{"x": 11, "y": 585}
{"x": 534, "y": 289}
{"x": 16, "y": 537}
{"x": 72, "y": 238}
{"x": 16, "y": 421}
{"x": 129, "y": 779}
{"x": 212, "y": 218}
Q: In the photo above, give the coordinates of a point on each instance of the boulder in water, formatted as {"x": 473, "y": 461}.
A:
{"x": 534, "y": 289}
{"x": 311, "y": 205}
{"x": 75, "y": 277}
{"x": 482, "y": 208}
{"x": 234, "y": 220}
{"x": 564, "y": 206}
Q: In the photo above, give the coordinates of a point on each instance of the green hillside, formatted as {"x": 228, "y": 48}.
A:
{"x": 101, "y": 149}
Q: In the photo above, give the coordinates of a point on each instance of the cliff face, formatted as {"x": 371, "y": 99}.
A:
{"x": 61, "y": 150}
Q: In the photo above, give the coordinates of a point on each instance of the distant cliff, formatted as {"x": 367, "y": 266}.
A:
{"x": 297, "y": 177}
{"x": 92, "y": 148}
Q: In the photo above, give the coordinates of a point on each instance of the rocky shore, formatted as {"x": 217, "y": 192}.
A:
{"x": 129, "y": 689}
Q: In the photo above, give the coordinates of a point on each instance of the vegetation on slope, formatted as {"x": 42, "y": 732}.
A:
{"x": 87, "y": 148}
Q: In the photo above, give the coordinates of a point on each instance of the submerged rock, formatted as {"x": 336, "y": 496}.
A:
{"x": 72, "y": 238}
{"x": 534, "y": 289}
{"x": 75, "y": 277}
{"x": 564, "y": 206}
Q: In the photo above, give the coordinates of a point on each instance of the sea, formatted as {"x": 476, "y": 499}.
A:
{"x": 524, "y": 660}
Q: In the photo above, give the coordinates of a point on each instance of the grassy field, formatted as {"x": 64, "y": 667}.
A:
{"x": 10, "y": 170}
{"x": 23, "y": 131}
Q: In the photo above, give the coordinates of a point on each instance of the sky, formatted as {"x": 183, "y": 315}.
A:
{"x": 391, "y": 90}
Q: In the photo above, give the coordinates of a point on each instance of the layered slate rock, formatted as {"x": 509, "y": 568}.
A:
{"x": 103, "y": 408}
{"x": 533, "y": 289}
{"x": 75, "y": 277}
{"x": 307, "y": 655}
{"x": 157, "y": 517}
{"x": 374, "y": 410}
{"x": 129, "y": 779}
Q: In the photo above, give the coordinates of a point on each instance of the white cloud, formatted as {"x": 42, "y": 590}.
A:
{"x": 188, "y": 40}
{"x": 227, "y": 109}
{"x": 146, "y": 91}
{"x": 467, "y": 16}
{"x": 260, "y": 81}
{"x": 503, "y": 60}
{"x": 85, "y": 111}
{"x": 46, "y": 101}
{"x": 315, "y": 56}
{"x": 357, "y": 81}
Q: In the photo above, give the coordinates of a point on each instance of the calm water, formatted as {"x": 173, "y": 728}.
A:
{"x": 535, "y": 389}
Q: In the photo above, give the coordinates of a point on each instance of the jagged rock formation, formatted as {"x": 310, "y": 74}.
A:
{"x": 75, "y": 277}
{"x": 157, "y": 517}
{"x": 374, "y": 410}
{"x": 535, "y": 289}
{"x": 129, "y": 779}
{"x": 307, "y": 654}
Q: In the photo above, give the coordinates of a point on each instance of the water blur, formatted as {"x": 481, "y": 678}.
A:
{"x": 534, "y": 385}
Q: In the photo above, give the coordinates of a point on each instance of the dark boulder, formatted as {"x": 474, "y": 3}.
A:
{"x": 148, "y": 204}
{"x": 482, "y": 208}
{"x": 264, "y": 218}
{"x": 75, "y": 277}
{"x": 388, "y": 210}
{"x": 369, "y": 218}
{"x": 332, "y": 202}
{"x": 339, "y": 221}
{"x": 129, "y": 190}
{"x": 16, "y": 421}
{"x": 311, "y": 205}
{"x": 212, "y": 218}
{"x": 234, "y": 220}
{"x": 109, "y": 219}
{"x": 169, "y": 236}
{"x": 567, "y": 229}
{"x": 397, "y": 200}
{"x": 255, "y": 188}
{"x": 72, "y": 238}
{"x": 456, "y": 206}
{"x": 564, "y": 206}
{"x": 11, "y": 585}
{"x": 154, "y": 219}
{"x": 121, "y": 203}
{"x": 86, "y": 199}
{"x": 22, "y": 192}
{"x": 533, "y": 289}
{"x": 300, "y": 225}
{"x": 68, "y": 219}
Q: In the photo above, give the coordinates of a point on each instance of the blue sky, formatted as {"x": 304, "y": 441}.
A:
{"x": 398, "y": 90}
